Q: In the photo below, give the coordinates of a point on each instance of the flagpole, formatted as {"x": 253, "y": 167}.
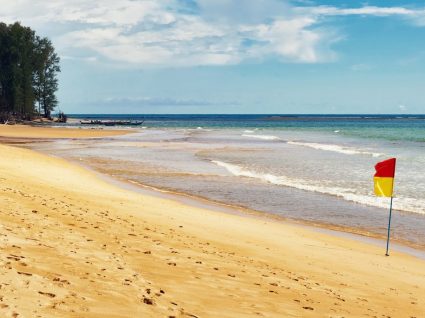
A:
{"x": 389, "y": 226}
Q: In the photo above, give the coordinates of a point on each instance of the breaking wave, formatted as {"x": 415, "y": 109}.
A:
{"x": 401, "y": 203}
{"x": 264, "y": 137}
{"x": 335, "y": 148}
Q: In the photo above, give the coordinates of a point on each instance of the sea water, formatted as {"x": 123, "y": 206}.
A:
{"x": 310, "y": 168}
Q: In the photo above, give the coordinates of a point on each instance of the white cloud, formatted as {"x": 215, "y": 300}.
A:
{"x": 416, "y": 16}
{"x": 90, "y": 59}
{"x": 171, "y": 33}
{"x": 105, "y": 12}
{"x": 367, "y": 10}
{"x": 291, "y": 39}
{"x": 205, "y": 39}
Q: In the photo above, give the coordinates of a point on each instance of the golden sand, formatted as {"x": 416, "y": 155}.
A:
{"x": 73, "y": 245}
{"x": 25, "y": 131}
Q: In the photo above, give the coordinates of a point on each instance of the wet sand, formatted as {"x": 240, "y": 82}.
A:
{"x": 74, "y": 245}
{"x": 25, "y": 131}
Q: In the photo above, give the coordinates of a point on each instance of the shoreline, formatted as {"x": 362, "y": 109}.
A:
{"x": 202, "y": 202}
{"x": 76, "y": 245}
{"x": 193, "y": 200}
{"x": 31, "y": 133}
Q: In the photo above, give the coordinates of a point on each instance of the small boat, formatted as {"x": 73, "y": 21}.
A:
{"x": 90, "y": 122}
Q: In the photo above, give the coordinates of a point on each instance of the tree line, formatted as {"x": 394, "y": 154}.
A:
{"x": 29, "y": 67}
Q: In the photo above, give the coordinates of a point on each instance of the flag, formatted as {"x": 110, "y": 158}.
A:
{"x": 384, "y": 178}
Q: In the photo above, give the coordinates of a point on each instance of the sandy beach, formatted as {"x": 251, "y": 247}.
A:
{"x": 74, "y": 245}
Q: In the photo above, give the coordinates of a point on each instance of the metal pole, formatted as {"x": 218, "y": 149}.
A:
{"x": 389, "y": 226}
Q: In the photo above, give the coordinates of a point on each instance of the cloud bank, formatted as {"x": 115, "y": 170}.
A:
{"x": 177, "y": 33}
{"x": 159, "y": 102}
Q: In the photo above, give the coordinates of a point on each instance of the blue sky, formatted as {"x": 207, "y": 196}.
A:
{"x": 233, "y": 56}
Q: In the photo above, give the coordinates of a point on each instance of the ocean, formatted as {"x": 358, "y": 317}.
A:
{"x": 316, "y": 169}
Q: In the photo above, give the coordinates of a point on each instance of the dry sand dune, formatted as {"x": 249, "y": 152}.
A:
{"x": 73, "y": 245}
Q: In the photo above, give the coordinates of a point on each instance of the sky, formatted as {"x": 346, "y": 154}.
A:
{"x": 233, "y": 56}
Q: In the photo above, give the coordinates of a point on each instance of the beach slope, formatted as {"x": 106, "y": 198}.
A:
{"x": 75, "y": 246}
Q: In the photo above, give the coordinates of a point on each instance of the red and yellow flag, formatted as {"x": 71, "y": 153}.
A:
{"x": 384, "y": 178}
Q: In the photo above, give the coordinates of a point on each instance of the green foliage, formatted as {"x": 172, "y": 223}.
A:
{"x": 28, "y": 72}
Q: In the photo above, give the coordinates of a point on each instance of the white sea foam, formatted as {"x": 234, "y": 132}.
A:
{"x": 264, "y": 137}
{"x": 335, "y": 148}
{"x": 401, "y": 203}
{"x": 248, "y": 131}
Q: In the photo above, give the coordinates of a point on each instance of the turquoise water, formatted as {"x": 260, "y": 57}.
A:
{"x": 387, "y": 127}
